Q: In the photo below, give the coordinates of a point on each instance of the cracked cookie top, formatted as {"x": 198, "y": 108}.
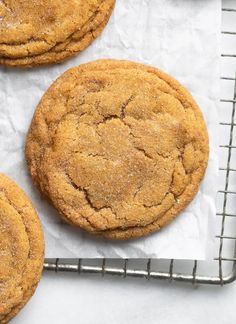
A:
{"x": 21, "y": 249}
{"x": 54, "y": 28}
{"x": 118, "y": 147}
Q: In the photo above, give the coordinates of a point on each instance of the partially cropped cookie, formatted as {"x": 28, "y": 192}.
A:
{"x": 49, "y": 31}
{"x": 119, "y": 148}
{"x": 21, "y": 249}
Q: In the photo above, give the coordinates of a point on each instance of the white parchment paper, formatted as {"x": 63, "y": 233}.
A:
{"x": 181, "y": 37}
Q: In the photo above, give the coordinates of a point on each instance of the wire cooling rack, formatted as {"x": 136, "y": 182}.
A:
{"x": 222, "y": 269}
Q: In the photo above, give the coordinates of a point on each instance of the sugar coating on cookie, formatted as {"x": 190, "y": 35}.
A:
{"x": 49, "y": 31}
{"x": 119, "y": 148}
{"x": 21, "y": 249}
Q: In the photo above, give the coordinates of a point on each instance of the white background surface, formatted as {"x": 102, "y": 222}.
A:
{"x": 73, "y": 300}
{"x": 87, "y": 300}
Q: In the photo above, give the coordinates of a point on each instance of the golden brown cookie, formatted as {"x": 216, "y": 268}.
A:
{"x": 49, "y": 31}
{"x": 21, "y": 249}
{"x": 118, "y": 147}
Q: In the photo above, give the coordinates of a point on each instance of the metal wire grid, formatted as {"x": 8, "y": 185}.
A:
{"x": 188, "y": 270}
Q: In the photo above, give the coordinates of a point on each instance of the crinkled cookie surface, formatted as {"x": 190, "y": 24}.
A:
{"x": 119, "y": 148}
{"x": 34, "y": 32}
{"x": 21, "y": 249}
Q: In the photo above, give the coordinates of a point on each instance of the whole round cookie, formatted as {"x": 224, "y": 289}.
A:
{"x": 21, "y": 249}
{"x": 49, "y": 31}
{"x": 118, "y": 147}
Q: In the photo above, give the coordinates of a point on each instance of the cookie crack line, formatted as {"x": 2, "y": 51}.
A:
{"x": 168, "y": 192}
{"x": 143, "y": 152}
{"x": 124, "y": 106}
{"x": 6, "y": 5}
{"x": 114, "y": 116}
{"x": 92, "y": 155}
{"x": 87, "y": 197}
